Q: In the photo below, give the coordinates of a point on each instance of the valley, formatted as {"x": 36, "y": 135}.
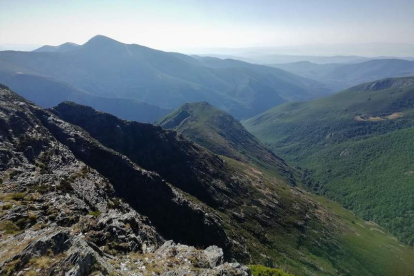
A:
{"x": 355, "y": 146}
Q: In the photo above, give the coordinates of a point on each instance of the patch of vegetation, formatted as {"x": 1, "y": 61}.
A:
{"x": 24, "y": 222}
{"x": 40, "y": 188}
{"x": 95, "y": 213}
{"x": 12, "y": 174}
{"x": 260, "y": 270}
{"x": 9, "y": 268}
{"x": 115, "y": 203}
{"x": 18, "y": 196}
{"x": 9, "y": 227}
{"x": 42, "y": 262}
{"x": 43, "y": 162}
{"x": 7, "y": 206}
{"x": 65, "y": 185}
{"x": 32, "y": 218}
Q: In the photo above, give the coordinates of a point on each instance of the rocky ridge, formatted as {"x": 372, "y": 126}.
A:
{"x": 60, "y": 216}
{"x": 263, "y": 217}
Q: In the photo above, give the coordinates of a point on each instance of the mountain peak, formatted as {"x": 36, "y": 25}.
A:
{"x": 101, "y": 40}
{"x": 197, "y": 104}
{"x": 65, "y": 47}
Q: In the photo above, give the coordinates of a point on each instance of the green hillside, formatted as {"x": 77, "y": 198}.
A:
{"x": 378, "y": 252}
{"x": 219, "y": 132}
{"x": 356, "y": 148}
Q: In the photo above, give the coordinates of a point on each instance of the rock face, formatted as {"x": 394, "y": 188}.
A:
{"x": 70, "y": 206}
{"x": 252, "y": 216}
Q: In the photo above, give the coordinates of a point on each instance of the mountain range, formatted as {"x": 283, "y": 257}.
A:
{"x": 65, "y": 47}
{"x": 339, "y": 76}
{"x": 84, "y": 191}
{"x": 356, "y": 147}
{"x": 108, "y": 68}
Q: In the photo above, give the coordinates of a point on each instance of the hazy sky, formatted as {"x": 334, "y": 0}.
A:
{"x": 186, "y": 24}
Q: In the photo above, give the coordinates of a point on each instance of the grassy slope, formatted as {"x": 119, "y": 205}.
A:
{"x": 365, "y": 165}
{"x": 341, "y": 244}
{"x": 375, "y": 248}
{"x": 219, "y": 132}
{"x": 353, "y": 247}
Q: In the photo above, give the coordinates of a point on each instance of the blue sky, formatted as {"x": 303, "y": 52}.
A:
{"x": 186, "y": 24}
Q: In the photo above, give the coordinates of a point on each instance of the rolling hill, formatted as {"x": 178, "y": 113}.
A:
{"x": 356, "y": 147}
{"x": 341, "y": 76}
{"x": 105, "y": 67}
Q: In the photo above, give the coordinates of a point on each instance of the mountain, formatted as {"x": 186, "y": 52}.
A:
{"x": 264, "y": 219}
{"x": 355, "y": 145}
{"x": 316, "y": 53}
{"x": 65, "y": 47}
{"x": 341, "y": 76}
{"x": 48, "y": 92}
{"x": 220, "y": 133}
{"x": 86, "y": 190}
{"x": 108, "y": 68}
{"x": 70, "y": 206}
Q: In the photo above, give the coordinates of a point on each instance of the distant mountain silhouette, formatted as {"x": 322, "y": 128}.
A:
{"x": 106, "y": 67}
{"x": 65, "y": 47}
{"x": 341, "y": 76}
{"x": 49, "y": 92}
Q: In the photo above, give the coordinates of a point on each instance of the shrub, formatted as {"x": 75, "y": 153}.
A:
{"x": 12, "y": 174}
{"x": 7, "y": 206}
{"x": 95, "y": 213}
{"x": 9, "y": 227}
{"x": 18, "y": 196}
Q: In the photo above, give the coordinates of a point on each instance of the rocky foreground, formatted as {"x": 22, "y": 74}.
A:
{"x": 60, "y": 216}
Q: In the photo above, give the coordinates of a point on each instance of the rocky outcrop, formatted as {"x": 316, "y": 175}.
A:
{"x": 260, "y": 214}
{"x": 71, "y": 206}
{"x": 182, "y": 163}
{"x": 171, "y": 212}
